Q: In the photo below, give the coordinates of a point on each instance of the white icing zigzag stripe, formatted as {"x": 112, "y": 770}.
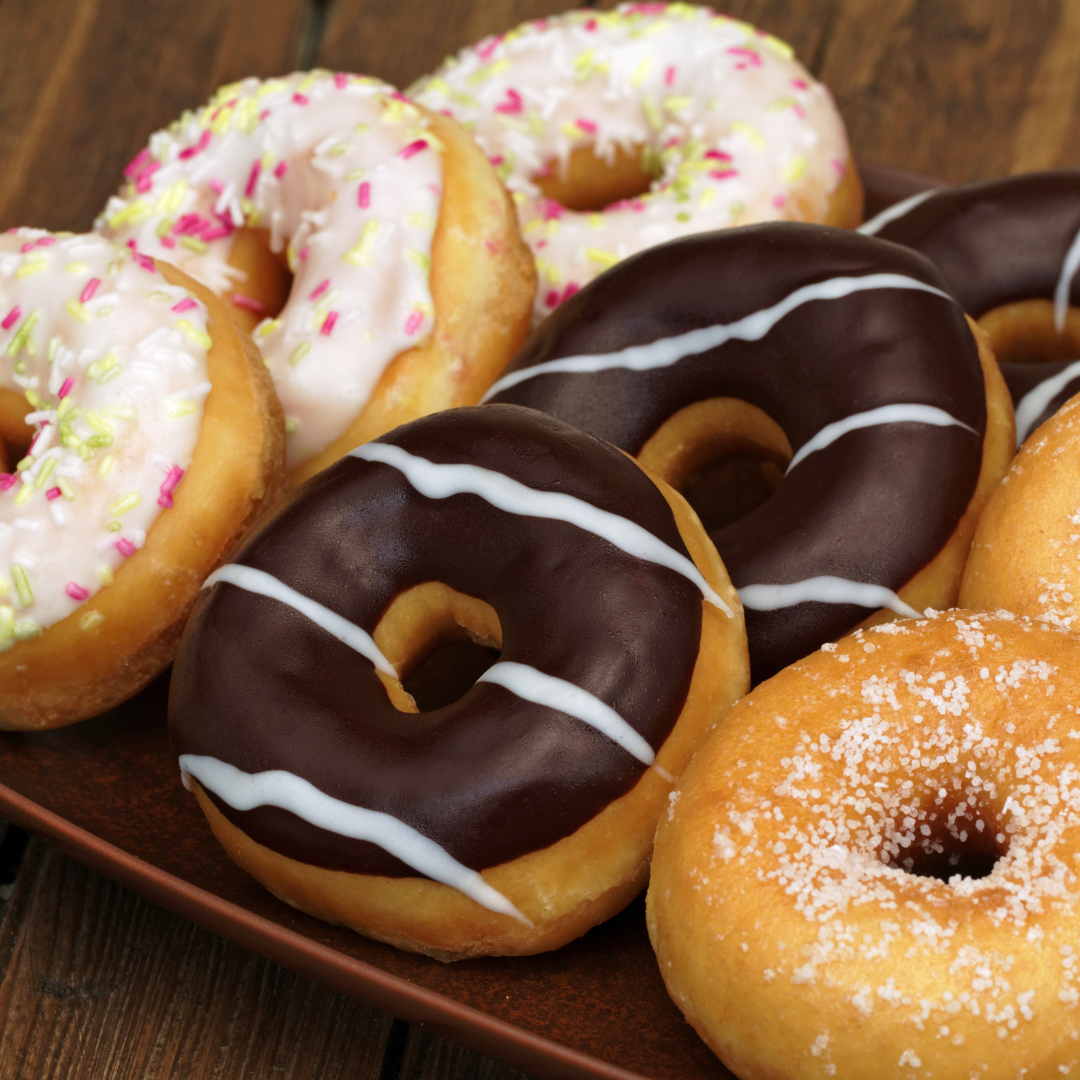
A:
{"x": 1035, "y": 400}
{"x": 440, "y": 481}
{"x": 666, "y": 351}
{"x": 258, "y": 581}
{"x": 245, "y": 791}
{"x": 1061, "y": 292}
{"x": 891, "y": 213}
{"x": 825, "y": 590}
{"x": 886, "y": 414}
{"x": 532, "y": 685}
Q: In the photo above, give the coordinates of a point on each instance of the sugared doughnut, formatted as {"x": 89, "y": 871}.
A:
{"x": 514, "y": 819}
{"x": 683, "y": 120}
{"x": 1009, "y": 250}
{"x": 870, "y": 870}
{"x": 157, "y": 440}
{"x": 790, "y": 339}
{"x": 411, "y": 286}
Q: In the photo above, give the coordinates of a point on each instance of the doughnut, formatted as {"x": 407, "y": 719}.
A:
{"x": 411, "y": 287}
{"x": 830, "y": 355}
{"x": 517, "y": 817}
{"x": 1009, "y": 250}
{"x": 870, "y": 869}
{"x": 615, "y": 131}
{"x": 157, "y": 439}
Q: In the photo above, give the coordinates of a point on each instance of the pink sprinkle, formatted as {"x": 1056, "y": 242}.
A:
{"x": 723, "y": 174}
{"x": 799, "y": 111}
{"x": 137, "y": 162}
{"x": 126, "y": 547}
{"x": 717, "y": 155}
{"x": 187, "y": 224}
{"x": 591, "y": 25}
{"x": 76, "y": 592}
{"x": 28, "y": 246}
{"x": 249, "y": 302}
{"x": 217, "y": 232}
{"x": 412, "y": 323}
{"x": 8, "y": 481}
{"x": 217, "y": 187}
{"x": 645, "y": 9}
{"x": 497, "y": 160}
{"x": 750, "y": 58}
{"x": 253, "y": 179}
{"x": 512, "y": 104}
{"x": 491, "y": 246}
{"x": 397, "y": 95}
{"x": 143, "y": 260}
{"x": 341, "y": 80}
{"x": 145, "y": 179}
{"x": 588, "y": 126}
{"x": 202, "y": 144}
{"x": 168, "y": 486}
{"x": 363, "y": 195}
{"x": 551, "y": 209}
{"x": 838, "y": 165}
{"x": 53, "y": 493}
{"x": 779, "y": 200}
{"x": 486, "y": 48}
{"x": 552, "y": 298}
{"x": 65, "y": 388}
{"x": 168, "y": 241}
{"x": 328, "y": 323}
{"x": 88, "y": 292}
{"x": 184, "y": 305}
{"x": 669, "y": 76}
{"x": 319, "y": 289}
{"x": 569, "y": 291}
{"x": 46, "y": 241}
{"x": 300, "y": 99}
{"x": 280, "y": 169}
{"x": 413, "y": 148}
{"x": 304, "y": 252}
{"x": 264, "y": 114}
{"x": 12, "y": 318}
{"x": 800, "y": 84}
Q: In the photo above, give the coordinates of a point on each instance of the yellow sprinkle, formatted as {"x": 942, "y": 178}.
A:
{"x": 596, "y": 221}
{"x": 170, "y": 200}
{"x": 102, "y": 312}
{"x": 572, "y": 131}
{"x": 128, "y": 502}
{"x": 461, "y": 98}
{"x": 20, "y": 367}
{"x": 361, "y": 128}
{"x": 419, "y": 259}
{"x": 77, "y": 309}
{"x": 65, "y": 489}
{"x": 65, "y": 406}
{"x": 291, "y": 426}
{"x": 291, "y": 257}
{"x": 32, "y": 268}
{"x": 606, "y": 259}
{"x": 45, "y": 472}
{"x": 794, "y": 170}
{"x": 677, "y": 102}
{"x": 54, "y": 345}
{"x": 741, "y": 127}
{"x": 105, "y": 575}
{"x": 7, "y": 627}
{"x": 32, "y": 397}
{"x": 119, "y": 412}
{"x": 128, "y": 215}
{"x": 25, "y": 463}
{"x": 420, "y": 221}
{"x": 652, "y": 113}
{"x": 362, "y": 254}
{"x": 114, "y": 526}
{"x": 708, "y": 194}
{"x": 106, "y": 465}
{"x": 96, "y": 442}
{"x": 300, "y": 352}
{"x": 19, "y": 340}
{"x": 161, "y": 297}
{"x": 641, "y": 72}
{"x": 90, "y": 620}
{"x": 97, "y": 423}
{"x": 354, "y": 174}
{"x": 77, "y": 268}
{"x": 4, "y": 586}
{"x": 164, "y": 226}
{"x": 780, "y": 104}
{"x": 267, "y": 327}
{"x": 22, "y": 586}
{"x": 338, "y": 149}
{"x": 193, "y": 243}
{"x": 178, "y": 407}
{"x": 25, "y": 492}
{"x": 27, "y": 629}
{"x": 193, "y": 332}
{"x": 781, "y": 48}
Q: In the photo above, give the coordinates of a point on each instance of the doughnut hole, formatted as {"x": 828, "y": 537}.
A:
{"x": 725, "y": 456}
{"x": 440, "y": 641}
{"x": 265, "y": 286}
{"x": 589, "y": 182}
{"x": 1024, "y": 333}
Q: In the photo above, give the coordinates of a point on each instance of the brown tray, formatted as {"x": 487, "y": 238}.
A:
{"x": 108, "y": 793}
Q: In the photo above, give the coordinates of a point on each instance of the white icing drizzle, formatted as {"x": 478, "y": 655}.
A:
{"x": 440, "y": 481}
{"x": 264, "y": 584}
{"x": 892, "y": 213}
{"x": 666, "y": 351}
{"x": 276, "y": 787}
{"x": 885, "y": 414}
{"x": 1064, "y": 283}
{"x": 825, "y": 590}
{"x": 532, "y": 685}
{"x": 1035, "y": 400}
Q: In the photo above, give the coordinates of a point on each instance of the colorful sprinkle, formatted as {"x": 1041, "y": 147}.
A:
{"x": 76, "y": 592}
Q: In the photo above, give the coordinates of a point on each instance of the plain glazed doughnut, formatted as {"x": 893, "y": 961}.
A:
{"x": 512, "y": 820}
{"x": 1009, "y": 250}
{"x": 832, "y": 355}
{"x": 791, "y": 904}
{"x": 683, "y": 120}
{"x": 157, "y": 439}
{"x": 412, "y": 287}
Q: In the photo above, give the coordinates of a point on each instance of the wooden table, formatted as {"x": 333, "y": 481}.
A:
{"x": 95, "y": 981}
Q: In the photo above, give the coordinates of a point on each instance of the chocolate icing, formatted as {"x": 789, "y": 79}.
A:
{"x": 490, "y": 777}
{"x": 874, "y": 506}
{"x": 997, "y": 243}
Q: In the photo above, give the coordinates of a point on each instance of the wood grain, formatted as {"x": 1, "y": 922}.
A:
{"x": 95, "y": 981}
{"x": 84, "y": 88}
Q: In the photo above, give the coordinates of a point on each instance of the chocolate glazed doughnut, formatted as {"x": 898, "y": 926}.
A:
{"x": 1009, "y": 250}
{"x": 854, "y": 349}
{"x": 287, "y": 712}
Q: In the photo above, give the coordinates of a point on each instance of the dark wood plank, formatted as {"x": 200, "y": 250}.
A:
{"x": 84, "y": 87}
{"x": 427, "y": 1057}
{"x": 95, "y": 981}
